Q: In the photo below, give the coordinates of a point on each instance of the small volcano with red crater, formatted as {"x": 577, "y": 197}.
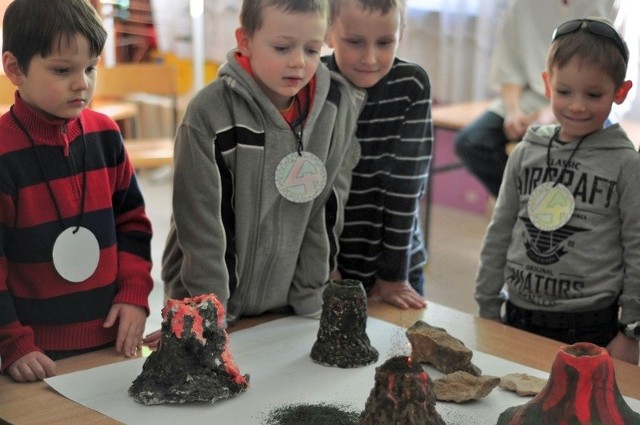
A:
{"x": 402, "y": 394}
{"x": 193, "y": 362}
{"x": 581, "y": 390}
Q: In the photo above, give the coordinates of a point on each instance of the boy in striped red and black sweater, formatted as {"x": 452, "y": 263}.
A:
{"x": 75, "y": 255}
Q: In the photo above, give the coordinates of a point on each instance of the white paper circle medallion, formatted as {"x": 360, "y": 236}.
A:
{"x": 550, "y": 206}
{"x": 76, "y": 255}
{"x": 300, "y": 178}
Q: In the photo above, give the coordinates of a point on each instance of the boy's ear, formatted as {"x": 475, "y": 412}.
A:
{"x": 621, "y": 93}
{"x": 242, "y": 41}
{"x": 547, "y": 89}
{"x": 11, "y": 68}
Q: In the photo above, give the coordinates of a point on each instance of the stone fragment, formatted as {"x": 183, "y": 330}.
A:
{"x": 462, "y": 386}
{"x": 433, "y": 345}
{"x": 522, "y": 384}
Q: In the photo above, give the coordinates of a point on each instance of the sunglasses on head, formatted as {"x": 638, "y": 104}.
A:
{"x": 595, "y": 27}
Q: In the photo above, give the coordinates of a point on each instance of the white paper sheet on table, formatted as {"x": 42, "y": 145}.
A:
{"x": 276, "y": 356}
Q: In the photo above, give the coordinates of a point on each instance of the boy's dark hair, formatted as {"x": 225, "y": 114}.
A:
{"x": 251, "y": 13}
{"x": 382, "y": 6}
{"x": 37, "y": 27}
{"x": 589, "y": 48}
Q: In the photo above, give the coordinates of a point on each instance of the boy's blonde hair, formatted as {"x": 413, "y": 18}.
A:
{"x": 382, "y": 6}
{"x": 590, "y": 48}
{"x": 251, "y": 12}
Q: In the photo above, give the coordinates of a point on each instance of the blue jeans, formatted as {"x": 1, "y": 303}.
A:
{"x": 481, "y": 148}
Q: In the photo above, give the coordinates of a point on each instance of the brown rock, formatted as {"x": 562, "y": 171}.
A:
{"x": 522, "y": 384}
{"x": 435, "y": 346}
{"x": 462, "y": 386}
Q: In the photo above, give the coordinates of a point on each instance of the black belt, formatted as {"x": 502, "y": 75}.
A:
{"x": 562, "y": 320}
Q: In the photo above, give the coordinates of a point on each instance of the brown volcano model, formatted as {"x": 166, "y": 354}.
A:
{"x": 342, "y": 338}
{"x": 402, "y": 394}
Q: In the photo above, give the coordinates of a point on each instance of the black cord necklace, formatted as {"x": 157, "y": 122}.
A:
{"x": 551, "y": 204}
{"x": 46, "y": 178}
{"x": 298, "y": 121}
{"x": 554, "y": 137}
{"x": 300, "y": 176}
{"x": 75, "y": 252}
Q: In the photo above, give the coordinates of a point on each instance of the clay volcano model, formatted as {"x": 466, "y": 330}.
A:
{"x": 342, "y": 338}
{"x": 402, "y": 394}
{"x": 581, "y": 390}
{"x": 193, "y": 362}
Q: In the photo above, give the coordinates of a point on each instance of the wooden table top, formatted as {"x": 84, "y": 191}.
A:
{"x": 117, "y": 110}
{"x": 37, "y": 403}
{"x": 456, "y": 116}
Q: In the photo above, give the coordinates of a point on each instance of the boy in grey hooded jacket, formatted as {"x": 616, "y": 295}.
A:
{"x": 565, "y": 237}
{"x": 235, "y": 232}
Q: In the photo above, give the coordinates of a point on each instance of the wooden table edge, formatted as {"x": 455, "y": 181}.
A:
{"x": 479, "y": 334}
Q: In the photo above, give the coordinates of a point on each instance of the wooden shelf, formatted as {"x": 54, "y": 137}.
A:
{"x": 135, "y": 34}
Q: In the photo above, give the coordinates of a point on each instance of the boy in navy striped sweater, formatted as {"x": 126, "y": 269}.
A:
{"x": 74, "y": 237}
{"x": 381, "y": 244}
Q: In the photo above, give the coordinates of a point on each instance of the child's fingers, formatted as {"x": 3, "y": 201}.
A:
{"x": 32, "y": 367}
{"x": 49, "y": 367}
{"x": 129, "y": 338}
{"x": 152, "y": 340}
{"x": 111, "y": 318}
